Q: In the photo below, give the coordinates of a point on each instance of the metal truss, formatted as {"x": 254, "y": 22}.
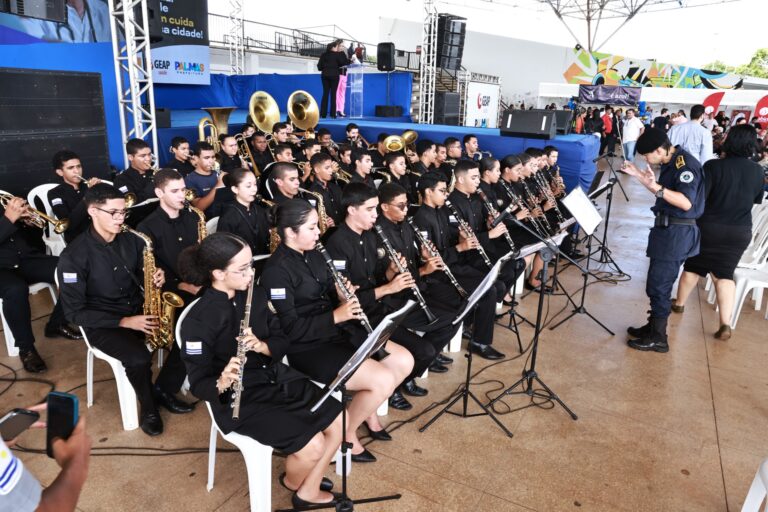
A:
{"x": 235, "y": 38}
{"x": 428, "y": 65}
{"x": 133, "y": 71}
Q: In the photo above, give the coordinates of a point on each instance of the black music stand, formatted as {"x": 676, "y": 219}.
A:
{"x": 605, "y": 252}
{"x": 465, "y": 394}
{"x": 370, "y": 346}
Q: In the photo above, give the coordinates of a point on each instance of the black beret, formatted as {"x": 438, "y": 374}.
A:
{"x": 651, "y": 140}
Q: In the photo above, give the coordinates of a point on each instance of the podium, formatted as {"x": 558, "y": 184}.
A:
{"x": 355, "y": 74}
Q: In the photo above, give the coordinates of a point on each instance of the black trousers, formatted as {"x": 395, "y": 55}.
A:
{"x": 484, "y": 315}
{"x": 330, "y": 84}
{"x": 14, "y": 291}
{"x": 128, "y": 346}
{"x": 422, "y": 351}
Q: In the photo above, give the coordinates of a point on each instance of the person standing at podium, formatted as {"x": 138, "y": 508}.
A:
{"x": 330, "y": 65}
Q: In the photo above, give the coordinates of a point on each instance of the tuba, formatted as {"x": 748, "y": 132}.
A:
{"x": 161, "y": 304}
{"x": 217, "y": 124}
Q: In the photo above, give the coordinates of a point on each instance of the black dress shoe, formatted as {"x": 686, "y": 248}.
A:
{"x": 325, "y": 485}
{"x": 378, "y": 435}
{"x": 485, "y": 351}
{"x": 436, "y": 367}
{"x": 398, "y": 401}
{"x": 300, "y": 503}
{"x": 575, "y": 254}
{"x": 364, "y": 456}
{"x": 151, "y": 423}
{"x": 63, "y": 331}
{"x": 410, "y": 388}
{"x": 547, "y": 289}
{"x": 172, "y": 403}
{"x": 32, "y": 361}
{"x": 443, "y": 359}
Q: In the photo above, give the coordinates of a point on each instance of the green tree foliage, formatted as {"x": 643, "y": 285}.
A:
{"x": 757, "y": 67}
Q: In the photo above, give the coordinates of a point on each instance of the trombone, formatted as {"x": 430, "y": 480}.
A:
{"x": 36, "y": 217}
{"x": 244, "y": 150}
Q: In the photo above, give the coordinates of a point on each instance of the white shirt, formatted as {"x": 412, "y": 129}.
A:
{"x": 632, "y": 128}
{"x": 91, "y": 28}
{"x": 693, "y": 138}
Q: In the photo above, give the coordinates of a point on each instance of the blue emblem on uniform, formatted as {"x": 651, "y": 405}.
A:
{"x": 686, "y": 177}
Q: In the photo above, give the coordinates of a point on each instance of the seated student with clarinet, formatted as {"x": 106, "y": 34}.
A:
{"x": 323, "y": 333}
{"x": 232, "y": 346}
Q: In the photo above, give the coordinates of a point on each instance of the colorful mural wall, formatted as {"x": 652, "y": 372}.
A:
{"x": 606, "y": 69}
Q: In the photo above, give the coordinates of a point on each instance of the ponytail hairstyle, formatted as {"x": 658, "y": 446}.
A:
{"x": 197, "y": 262}
{"x": 509, "y": 161}
{"x": 524, "y": 158}
{"x": 486, "y": 164}
{"x": 235, "y": 177}
{"x": 289, "y": 214}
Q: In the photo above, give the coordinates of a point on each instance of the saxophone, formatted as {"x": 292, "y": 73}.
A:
{"x": 274, "y": 238}
{"x": 202, "y": 230}
{"x": 322, "y": 216}
{"x": 157, "y": 303}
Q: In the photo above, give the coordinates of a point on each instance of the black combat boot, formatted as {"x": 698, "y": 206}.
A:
{"x": 655, "y": 340}
{"x": 639, "y": 332}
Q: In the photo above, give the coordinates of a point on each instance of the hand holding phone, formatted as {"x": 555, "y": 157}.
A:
{"x": 62, "y": 418}
{"x": 16, "y": 422}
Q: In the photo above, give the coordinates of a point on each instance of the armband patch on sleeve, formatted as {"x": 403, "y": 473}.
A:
{"x": 193, "y": 348}
{"x": 686, "y": 177}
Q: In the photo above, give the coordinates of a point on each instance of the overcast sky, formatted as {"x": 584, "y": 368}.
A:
{"x": 692, "y": 36}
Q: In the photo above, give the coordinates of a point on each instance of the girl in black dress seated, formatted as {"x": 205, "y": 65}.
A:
{"x": 323, "y": 332}
{"x": 244, "y": 216}
{"x": 276, "y": 400}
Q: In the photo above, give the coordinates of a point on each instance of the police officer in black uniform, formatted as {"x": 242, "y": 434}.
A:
{"x": 100, "y": 275}
{"x": 675, "y": 236}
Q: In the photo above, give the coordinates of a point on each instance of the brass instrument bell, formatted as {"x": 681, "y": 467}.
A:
{"x": 303, "y": 112}
{"x": 263, "y": 110}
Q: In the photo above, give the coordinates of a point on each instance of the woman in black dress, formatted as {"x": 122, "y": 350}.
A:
{"x": 276, "y": 399}
{"x": 732, "y": 185}
{"x": 323, "y": 333}
{"x": 330, "y": 64}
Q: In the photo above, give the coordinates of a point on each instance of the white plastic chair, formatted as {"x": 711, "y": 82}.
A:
{"x": 758, "y": 490}
{"x": 212, "y": 225}
{"x": 258, "y": 457}
{"x": 455, "y": 344}
{"x": 747, "y": 279}
{"x": 54, "y": 242}
{"x": 125, "y": 392}
{"x": 10, "y": 341}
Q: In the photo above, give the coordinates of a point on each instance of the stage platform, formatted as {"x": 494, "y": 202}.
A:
{"x": 576, "y": 151}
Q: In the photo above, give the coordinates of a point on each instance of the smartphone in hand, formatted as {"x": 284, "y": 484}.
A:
{"x": 16, "y": 422}
{"x": 62, "y": 417}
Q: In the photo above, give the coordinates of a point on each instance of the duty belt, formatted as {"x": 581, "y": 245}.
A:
{"x": 663, "y": 220}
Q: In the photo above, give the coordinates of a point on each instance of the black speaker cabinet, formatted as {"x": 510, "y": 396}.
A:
{"x": 451, "y": 31}
{"x": 447, "y": 108}
{"x": 385, "y": 56}
{"x": 563, "y": 121}
{"x": 389, "y": 111}
{"x": 531, "y": 124}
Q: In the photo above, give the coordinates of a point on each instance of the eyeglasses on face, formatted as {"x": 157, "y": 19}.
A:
{"x": 115, "y": 214}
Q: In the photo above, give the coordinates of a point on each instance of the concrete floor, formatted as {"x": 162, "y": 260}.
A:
{"x": 656, "y": 432}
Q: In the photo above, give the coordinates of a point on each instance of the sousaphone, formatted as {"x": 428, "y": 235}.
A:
{"x": 304, "y": 113}
{"x": 264, "y": 111}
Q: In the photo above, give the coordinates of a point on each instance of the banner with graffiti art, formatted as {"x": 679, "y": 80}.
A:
{"x": 606, "y": 69}
{"x": 482, "y": 106}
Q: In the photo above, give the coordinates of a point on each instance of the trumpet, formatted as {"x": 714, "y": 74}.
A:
{"x": 36, "y": 217}
{"x": 83, "y": 180}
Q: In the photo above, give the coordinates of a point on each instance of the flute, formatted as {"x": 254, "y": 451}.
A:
{"x": 433, "y": 252}
{"x": 245, "y": 323}
{"x": 493, "y": 213}
{"x": 348, "y": 294}
{"x": 464, "y": 225}
{"x": 401, "y": 269}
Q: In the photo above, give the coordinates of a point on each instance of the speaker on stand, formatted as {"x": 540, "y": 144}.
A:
{"x": 385, "y": 61}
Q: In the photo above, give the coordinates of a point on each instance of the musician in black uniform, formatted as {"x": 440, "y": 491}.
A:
{"x": 425, "y": 149}
{"x": 362, "y": 165}
{"x": 345, "y": 158}
{"x": 324, "y": 184}
{"x": 435, "y": 223}
{"x": 675, "y": 236}
{"x": 66, "y": 199}
{"x": 551, "y": 174}
{"x": 276, "y": 400}
{"x": 22, "y": 264}
{"x": 137, "y": 178}
{"x": 398, "y": 172}
{"x": 262, "y": 156}
{"x": 172, "y": 228}
{"x": 229, "y": 157}
{"x": 326, "y": 142}
{"x": 245, "y": 216}
{"x": 100, "y": 275}
{"x": 309, "y": 147}
{"x": 453, "y": 155}
{"x": 283, "y": 153}
{"x": 324, "y": 334}
{"x": 353, "y": 246}
{"x": 353, "y": 137}
{"x": 180, "y": 150}
{"x": 380, "y": 151}
{"x": 471, "y": 148}
{"x": 285, "y": 182}
{"x": 441, "y": 155}
{"x": 508, "y": 197}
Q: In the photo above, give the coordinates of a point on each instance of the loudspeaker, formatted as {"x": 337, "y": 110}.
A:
{"x": 385, "y": 56}
{"x": 451, "y": 31}
{"x": 531, "y": 124}
{"x": 42, "y": 112}
{"x": 563, "y": 121}
{"x": 447, "y": 108}
{"x": 163, "y": 117}
{"x": 389, "y": 111}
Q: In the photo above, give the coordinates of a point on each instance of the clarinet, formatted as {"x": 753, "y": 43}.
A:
{"x": 464, "y": 225}
{"x": 534, "y": 204}
{"x": 547, "y": 189}
{"x": 492, "y": 211}
{"x": 401, "y": 269}
{"x": 516, "y": 201}
{"x": 432, "y": 250}
{"x": 245, "y": 323}
{"x": 348, "y": 294}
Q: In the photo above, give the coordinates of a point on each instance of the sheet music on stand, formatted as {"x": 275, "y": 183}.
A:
{"x": 582, "y": 210}
{"x": 371, "y": 345}
{"x": 355, "y": 74}
{"x": 483, "y": 287}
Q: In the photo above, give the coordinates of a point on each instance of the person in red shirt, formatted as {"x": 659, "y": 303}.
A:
{"x": 608, "y": 140}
